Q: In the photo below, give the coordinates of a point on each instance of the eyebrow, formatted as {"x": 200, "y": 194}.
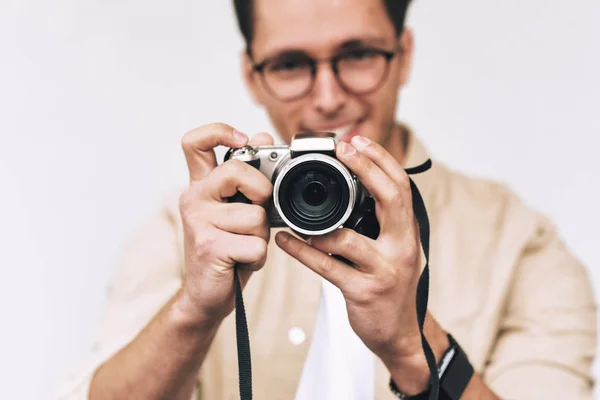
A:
{"x": 347, "y": 45}
{"x": 354, "y": 43}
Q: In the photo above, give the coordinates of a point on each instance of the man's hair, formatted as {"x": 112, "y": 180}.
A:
{"x": 244, "y": 11}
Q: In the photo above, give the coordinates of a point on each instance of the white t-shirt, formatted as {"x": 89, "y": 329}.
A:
{"x": 338, "y": 364}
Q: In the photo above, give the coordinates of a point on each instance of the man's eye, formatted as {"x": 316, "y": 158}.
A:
{"x": 358, "y": 55}
{"x": 288, "y": 65}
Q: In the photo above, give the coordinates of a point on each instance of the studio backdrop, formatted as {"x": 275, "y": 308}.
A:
{"x": 95, "y": 97}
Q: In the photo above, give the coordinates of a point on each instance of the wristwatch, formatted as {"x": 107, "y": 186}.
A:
{"x": 455, "y": 372}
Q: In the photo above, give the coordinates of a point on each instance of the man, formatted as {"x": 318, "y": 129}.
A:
{"x": 503, "y": 285}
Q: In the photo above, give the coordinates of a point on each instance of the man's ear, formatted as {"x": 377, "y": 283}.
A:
{"x": 250, "y": 78}
{"x": 405, "y": 55}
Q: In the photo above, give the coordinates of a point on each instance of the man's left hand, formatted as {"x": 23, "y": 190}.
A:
{"x": 380, "y": 288}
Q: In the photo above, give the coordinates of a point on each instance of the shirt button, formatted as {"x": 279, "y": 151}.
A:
{"x": 296, "y": 336}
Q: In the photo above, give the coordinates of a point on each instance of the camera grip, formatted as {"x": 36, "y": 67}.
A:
{"x": 363, "y": 221}
{"x": 239, "y": 196}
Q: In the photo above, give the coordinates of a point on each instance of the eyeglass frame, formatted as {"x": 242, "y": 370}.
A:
{"x": 332, "y": 61}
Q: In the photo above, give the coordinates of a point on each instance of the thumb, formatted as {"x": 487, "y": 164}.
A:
{"x": 262, "y": 139}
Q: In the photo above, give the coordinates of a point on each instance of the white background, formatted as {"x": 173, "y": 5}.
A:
{"x": 95, "y": 96}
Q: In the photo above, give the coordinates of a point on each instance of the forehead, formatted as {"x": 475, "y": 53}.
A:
{"x": 317, "y": 25}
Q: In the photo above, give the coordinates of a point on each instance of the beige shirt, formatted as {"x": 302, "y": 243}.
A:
{"x": 502, "y": 283}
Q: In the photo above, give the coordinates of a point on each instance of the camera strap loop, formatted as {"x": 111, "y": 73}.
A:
{"x": 241, "y": 331}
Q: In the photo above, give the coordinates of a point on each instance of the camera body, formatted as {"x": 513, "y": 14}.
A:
{"x": 313, "y": 192}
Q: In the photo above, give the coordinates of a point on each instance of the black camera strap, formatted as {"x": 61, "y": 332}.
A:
{"x": 243, "y": 342}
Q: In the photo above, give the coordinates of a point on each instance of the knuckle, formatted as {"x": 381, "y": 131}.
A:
{"x": 184, "y": 201}
{"x": 382, "y": 286}
{"x": 409, "y": 253}
{"x": 326, "y": 264}
{"x": 368, "y": 166}
{"x": 259, "y": 215}
{"x": 348, "y": 239}
{"x": 404, "y": 181}
{"x": 187, "y": 142}
{"x": 396, "y": 196}
{"x": 190, "y": 196}
{"x": 389, "y": 280}
{"x": 204, "y": 246}
{"x": 260, "y": 248}
{"x": 268, "y": 189}
{"x": 197, "y": 136}
{"x": 237, "y": 166}
{"x": 368, "y": 293}
{"x": 265, "y": 233}
{"x": 376, "y": 150}
{"x": 225, "y": 174}
{"x": 295, "y": 249}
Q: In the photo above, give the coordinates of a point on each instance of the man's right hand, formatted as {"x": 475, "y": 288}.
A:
{"x": 217, "y": 234}
{"x": 163, "y": 360}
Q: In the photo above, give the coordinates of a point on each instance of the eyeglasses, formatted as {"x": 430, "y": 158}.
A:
{"x": 359, "y": 71}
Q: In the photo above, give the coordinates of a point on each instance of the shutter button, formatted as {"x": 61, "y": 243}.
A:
{"x": 296, "y": 336}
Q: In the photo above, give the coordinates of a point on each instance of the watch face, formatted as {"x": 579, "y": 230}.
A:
{"x": 448, "y": 356}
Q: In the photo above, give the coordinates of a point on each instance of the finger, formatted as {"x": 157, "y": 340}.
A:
{"x": 236, "y": 176}
{"x": 383, "y": 159}
{"x": 262, "y": 139}
{"x": 379, "y": 185}
{"x": 198, "y": 146}
{"x": 336, "y": 272}
{"x": 393, "y": 202}
{"x": 243, "y": 219}
{"x": 248, "y": 251}
{"x": 351, "y": 245}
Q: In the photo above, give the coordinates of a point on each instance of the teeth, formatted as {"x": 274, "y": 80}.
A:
{"x": 343, "y": 130}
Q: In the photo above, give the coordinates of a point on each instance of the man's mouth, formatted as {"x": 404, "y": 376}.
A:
{"x": 345, "y": 132}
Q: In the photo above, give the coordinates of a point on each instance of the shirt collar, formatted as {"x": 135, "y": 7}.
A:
{"x": 416, "y": 154}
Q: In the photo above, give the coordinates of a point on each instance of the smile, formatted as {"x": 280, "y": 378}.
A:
{"x": 344, "y": 132}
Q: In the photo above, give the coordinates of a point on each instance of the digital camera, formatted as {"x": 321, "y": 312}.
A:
{"x": 313, "y": 192}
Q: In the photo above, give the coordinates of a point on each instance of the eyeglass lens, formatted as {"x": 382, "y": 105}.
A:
{"x": 358, "y": 71}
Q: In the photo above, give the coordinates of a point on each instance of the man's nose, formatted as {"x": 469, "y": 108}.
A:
{"x": 328, "y": 96}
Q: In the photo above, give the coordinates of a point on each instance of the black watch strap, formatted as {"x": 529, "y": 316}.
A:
{"x": 455, "y": 371}
{"x": 456, "y": 375}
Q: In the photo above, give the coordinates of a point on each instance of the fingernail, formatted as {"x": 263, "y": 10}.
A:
{"x": 309, "y": 240}
{"x": 347, "y": 149}
{"x": 360, "y": 142}
{"x": 239, "y": 136}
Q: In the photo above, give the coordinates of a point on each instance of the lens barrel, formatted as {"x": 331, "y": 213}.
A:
{"x": 314, "y": 194}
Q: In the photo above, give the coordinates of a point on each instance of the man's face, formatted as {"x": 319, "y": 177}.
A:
{"x": 321, "y": 29}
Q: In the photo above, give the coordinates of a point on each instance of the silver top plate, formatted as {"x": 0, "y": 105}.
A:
{"x": 314, "y": 142}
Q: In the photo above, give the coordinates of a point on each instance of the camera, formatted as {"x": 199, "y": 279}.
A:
{"x": 313, "y": 192}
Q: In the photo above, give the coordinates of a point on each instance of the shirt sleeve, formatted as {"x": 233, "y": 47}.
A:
{"x": 149, "y": 273}
{"x": 547, "y": 337}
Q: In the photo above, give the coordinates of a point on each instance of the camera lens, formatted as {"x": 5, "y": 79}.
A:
{"x": 314, "y": 193}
